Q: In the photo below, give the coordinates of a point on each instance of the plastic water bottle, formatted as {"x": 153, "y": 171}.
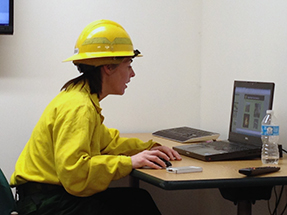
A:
{"x": 270, "y": 138}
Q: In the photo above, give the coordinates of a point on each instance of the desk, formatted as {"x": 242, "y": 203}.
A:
{"x": 223, "y": 175}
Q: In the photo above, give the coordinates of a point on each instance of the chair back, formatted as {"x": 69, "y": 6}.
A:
{"x": 7, "y": 201}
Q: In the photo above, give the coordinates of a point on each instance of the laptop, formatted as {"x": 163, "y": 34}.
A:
{"x": 186, "y": 134}
{"x": 249, "y": 104}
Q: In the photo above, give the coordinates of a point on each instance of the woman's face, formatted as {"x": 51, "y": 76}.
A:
{"x": 120, "y": 77}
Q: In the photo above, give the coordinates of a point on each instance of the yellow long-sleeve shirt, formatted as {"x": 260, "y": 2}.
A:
{"x": 70, "y": 146}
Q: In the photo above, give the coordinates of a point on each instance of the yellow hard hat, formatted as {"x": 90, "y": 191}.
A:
{"x": 101, "y": 42}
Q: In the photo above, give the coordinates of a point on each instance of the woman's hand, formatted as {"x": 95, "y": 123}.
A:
{"x": 172, "y": 154}
{"x": 152, "y": 156}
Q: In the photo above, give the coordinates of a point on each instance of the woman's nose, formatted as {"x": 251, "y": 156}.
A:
{"x": 133, "y": 73}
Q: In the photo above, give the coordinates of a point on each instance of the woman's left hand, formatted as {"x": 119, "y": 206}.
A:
{"x": 172, "y": 154}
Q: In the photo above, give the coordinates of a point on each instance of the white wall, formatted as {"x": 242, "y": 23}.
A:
{"x": 32, "y": 73}
{"x": 192, "y": 50}
{"x": 242, "y": 40}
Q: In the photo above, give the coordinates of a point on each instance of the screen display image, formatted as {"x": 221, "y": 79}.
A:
{"x": 253, "y": 105}
{"x": 6, "y": 17}
{"x": 4, "y": 12}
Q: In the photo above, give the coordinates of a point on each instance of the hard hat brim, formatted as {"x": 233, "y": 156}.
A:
{"x": 91, "y": 55}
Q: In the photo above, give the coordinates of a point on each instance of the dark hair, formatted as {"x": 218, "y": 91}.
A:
{"x": 91, "y": 75}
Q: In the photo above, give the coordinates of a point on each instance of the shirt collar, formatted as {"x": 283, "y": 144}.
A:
{"x": 95, "y": 100}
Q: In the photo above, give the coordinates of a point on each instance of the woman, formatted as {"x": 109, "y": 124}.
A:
{"x": 71, "y": 157}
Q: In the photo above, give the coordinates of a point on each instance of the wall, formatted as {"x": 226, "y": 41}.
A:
{"x": 241, "y": 40}
{"x": 192, "y": 50}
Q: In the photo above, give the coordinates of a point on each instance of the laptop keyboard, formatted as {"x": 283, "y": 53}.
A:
{"x": 231, "y": 147}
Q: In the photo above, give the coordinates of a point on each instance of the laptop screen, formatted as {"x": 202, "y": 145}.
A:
{"x": 249, "y": 105}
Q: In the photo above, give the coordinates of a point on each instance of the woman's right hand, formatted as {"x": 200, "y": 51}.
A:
{"x": 149, "y": 158}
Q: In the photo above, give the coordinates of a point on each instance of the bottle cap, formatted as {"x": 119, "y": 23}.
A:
{"x": 269, "y": 111}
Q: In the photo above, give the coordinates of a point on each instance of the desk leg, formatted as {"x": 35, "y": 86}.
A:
{"x": 244, "y": 208}
{"x": 244, "y": 197}
{"x": 134, "y": 182}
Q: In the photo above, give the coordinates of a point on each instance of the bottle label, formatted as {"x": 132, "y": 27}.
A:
{"x": 270, "y": 130}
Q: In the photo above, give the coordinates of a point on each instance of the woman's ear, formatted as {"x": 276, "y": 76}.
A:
{"x": 109, "y": 69}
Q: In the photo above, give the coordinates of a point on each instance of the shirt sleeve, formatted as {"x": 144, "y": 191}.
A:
{"x": 126, "y": 146}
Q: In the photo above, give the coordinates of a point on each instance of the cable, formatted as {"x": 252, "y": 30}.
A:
{"x": 284, "y": 209}
{"x": 269, "y": 207}
{"x": 278, "y": 199}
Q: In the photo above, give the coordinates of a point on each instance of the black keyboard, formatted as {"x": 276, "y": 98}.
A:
{"x": 186, "y": 134}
